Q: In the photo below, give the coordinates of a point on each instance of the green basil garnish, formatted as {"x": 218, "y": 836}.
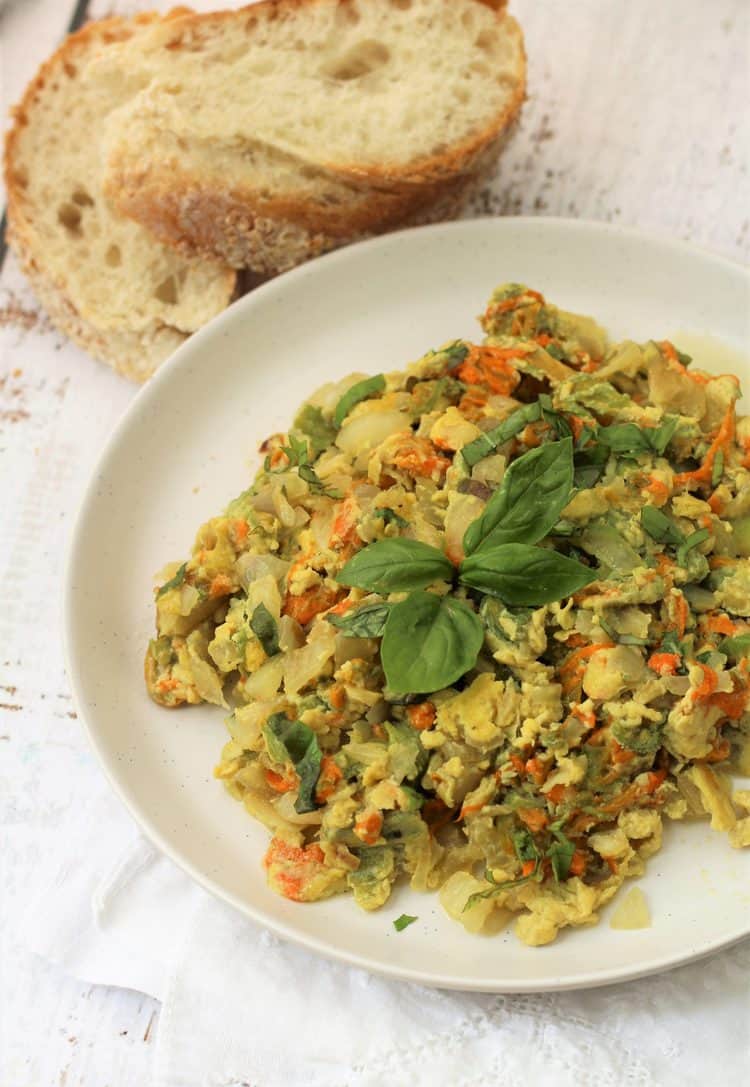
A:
{"x": 363, "y": 390}
{"x": 660, "y": 527}
{"x": 174, "y": 582}
{"x": 488, "y": 442}
{"x": 404, "y": 921}
{"x": 717, "y": 469}
{"x": 429, "y": 643}
{"x": 320, "y": 431}
{"x": 560, "y": 854}
{"x": 394, "y": 565}
{"x": 298, "y": 744}
{"x": 736, "y": 647}
{"x": 524, "y": 576}
{"x": 390, "y": 517}
{"x": 366, "y": 622}
{"x": 630, "y": 438}
{"x": 263, "y": 626}
{"x": 693, "y": 540}
{"x": 534, "y": 491}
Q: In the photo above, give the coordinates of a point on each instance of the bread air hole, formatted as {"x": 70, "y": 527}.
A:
{"x": 82, "y": 198}
{"x": 69, "y": 216}
{"x": 166, "y": 292}
{"x": 362, "y": 59}
{"x": 113, "y": 256}
{"x": 487, "y": 41}
{"x": 402, "y": 5}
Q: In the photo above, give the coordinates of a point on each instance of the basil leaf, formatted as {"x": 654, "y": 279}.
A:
{"x": 736, "y": 647}
{"x": 320, "y": 431}
{"x": 525, "y": 847}
{"x": 624, "y": 438}
{"x": 363, "y": 390}
{"x": 498, "y": 888}
{"x": 690, "y": 542}
{"x": 524, "y": 576}
{"x": 717, "y": 469}
{"x": 429, "y": 643}
{"x": 660, "y": 437}
{"x": 558, "y": 422}
{"x": 560, "y": 854}
{"x": 300, "y": 746}
{"x": 393, "y": 565}
{"x": 404, "y": 921}
{"x": 660, "y": 527}
{"x": 174, "y": 582}
{"x": 488, "y": 442}
{"x": 367, "y": 622}
{"x": 263, "y": 626}
{"x": 315, "y": 483}
{"x": 390, "y": 517}
{"x": 589, "y": 465}
{"x": 534, "y": 491}
{"x": 297, "y": 451}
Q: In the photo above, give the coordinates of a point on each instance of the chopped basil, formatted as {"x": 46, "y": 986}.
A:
{"x": 390, "y": 517}
{"x": 488, "y": 442}
{"x": 404, "y": 921}
{"x": 737, "y": 647}
{"x": 174, "y": 582}
{"x": 366, "y": 622}
{"x": 291, "y": 741}
{"x": 363, "y": 390}
{"x": 263, "y": 626}
{"x": 660, "y": 527}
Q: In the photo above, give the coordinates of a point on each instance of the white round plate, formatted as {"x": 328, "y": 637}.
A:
{"x": 188, "y": 444}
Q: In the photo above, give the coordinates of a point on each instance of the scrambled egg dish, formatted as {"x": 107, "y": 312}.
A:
{"x": 484, "y": 622}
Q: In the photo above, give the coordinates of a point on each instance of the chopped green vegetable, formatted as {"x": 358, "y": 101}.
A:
{"x": 404, "y": 921}
{"x": 174, "y": 582}
{"x": 366, "y": 622}
{"x": 263, "y": 626}
{"x": 363, "y": 390}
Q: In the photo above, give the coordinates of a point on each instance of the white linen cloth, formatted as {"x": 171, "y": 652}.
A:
{"x": 242, "y": 1008}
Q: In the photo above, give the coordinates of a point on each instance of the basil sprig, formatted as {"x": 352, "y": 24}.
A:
{"x": 366, "y": 622}
{"x": 663, "y": 529}
{"x": 736, "y": 647}
{"x": 263, "y": 626}
{"x": 389, "y": 566}
{"x": 534, "y": 491}
{"x": 291, "y": 741}
{"x": 363, "y": 390}
{"x": 429, "y": 642}
{"x": 524, "y": 576}
{"x": 174, "y": 582}
{"x": 630, "y": 438}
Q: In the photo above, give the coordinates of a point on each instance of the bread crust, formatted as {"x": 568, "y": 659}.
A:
{"x": 133, "y": 353}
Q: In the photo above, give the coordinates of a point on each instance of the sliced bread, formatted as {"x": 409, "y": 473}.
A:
{"x": 270, "y": 133}
{"x": 105, "y": 281}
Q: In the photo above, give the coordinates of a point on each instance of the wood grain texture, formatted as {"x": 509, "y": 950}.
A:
{"x": 636, "y": 115}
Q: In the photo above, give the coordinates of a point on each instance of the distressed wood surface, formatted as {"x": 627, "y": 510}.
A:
{"x": 636, "y": 115}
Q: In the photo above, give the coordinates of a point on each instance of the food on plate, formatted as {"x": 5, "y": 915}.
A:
{"x": 484, "y": 623}
{"x": 267, "y": 135}
{"x": 105, "y": 281}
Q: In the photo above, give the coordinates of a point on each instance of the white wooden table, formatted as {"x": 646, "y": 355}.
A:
{"x": 637, "y": 114}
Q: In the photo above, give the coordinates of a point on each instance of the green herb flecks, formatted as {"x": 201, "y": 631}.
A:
{"x": 174, "y": 582}
{"x": 366, "y": 622}
{"x": 291, "y": 741}
{"x": 363, "y": 390}
{"x": 404, "y": 921}
{"x": 263, "y": 626}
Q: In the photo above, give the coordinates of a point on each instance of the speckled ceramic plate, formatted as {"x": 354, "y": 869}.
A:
{"x": 188, "y": 444}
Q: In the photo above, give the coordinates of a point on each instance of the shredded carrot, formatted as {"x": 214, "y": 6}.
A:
{"x": 221, "y": 585}
{"x": 492, "y": 368}
{"x": 722, "y": 441}
{"x": 576, "y": 425}
{"x": 537, "y": 770}
{"x": 658, "y": 489}
{"x": 307, "y": 605}
{"x": 621, "y": 754}
{"x": 655, "y": 779}
{"x": 513, "y": 302}
{"x": 577, "y": 863}
{"x": 529, "y": 437}
{"x": 534, "y": 818}
{"x": 544, "y": 339}
{"x": 574, "y": 641}
{"x": 343, "y": 606}
{"x": 528, "y": 867}
{"x": 344, "y": 528}
{"x": 664, "y": 664}
{"x": 469, "y": 809}
{"x": 167, "y": 684}
{"x": 707, "y": 685}
{"x": 472, "y": 402}
{"x": 337, "y": 696}
{"x": 682, "y": 613}
{"x": 716, "y": 503}
{"x": 330, "y": 776}
{"x": 422, "y": 716}
{"x": 518, "y": 764}
{"x": 417, "y": 457}
{"x": 731, "y": 703}
{"x": 241, "y": 529}
{"x": 556, "y": 794}
{"x": 368, "y": 827}
{"x": 611, "y": 863}
{"x": 281, "y": 784}
{"x": 586, "y": 717}
{"x": 719, "y": 624}
{"x": 579, "y": 655}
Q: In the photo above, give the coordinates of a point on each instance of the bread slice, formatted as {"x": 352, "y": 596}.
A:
{"x": 105, "y": 281}
{"x": 271, "y": 133}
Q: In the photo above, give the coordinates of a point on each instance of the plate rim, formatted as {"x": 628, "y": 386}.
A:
{"x": 150, "y": 389}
